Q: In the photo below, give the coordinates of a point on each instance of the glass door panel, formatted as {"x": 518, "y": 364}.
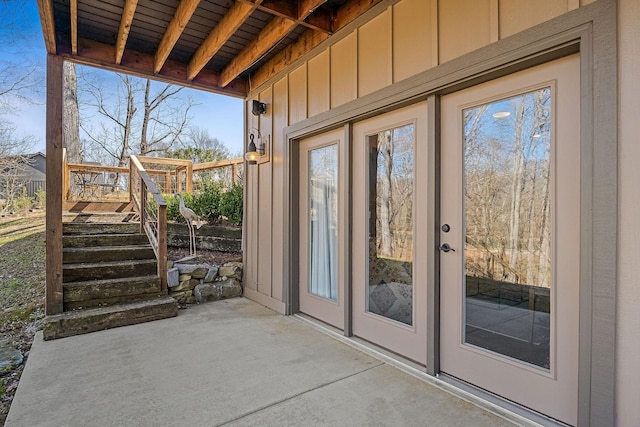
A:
{"x": 507, "y": 171}
{"x": 391, "y": 184}
{"x": 323, "y": 222}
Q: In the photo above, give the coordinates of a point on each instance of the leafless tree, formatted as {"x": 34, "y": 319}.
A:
{"x": 20, "y": 83}
{"x": 132, "y": 119}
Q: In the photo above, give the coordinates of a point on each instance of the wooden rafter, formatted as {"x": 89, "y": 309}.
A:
{"x": 125, "y": 25}
{"x": 227, "y": 26}
{"x": 271, "y": 34}
{"x": 310, "y": 39}
{"x": 319, "y": 20}
{"x": 177, "y": 25}
{"x": 73, "y": 6}
{"x": 45, "y": 8}
{"x": 99, "y": 54}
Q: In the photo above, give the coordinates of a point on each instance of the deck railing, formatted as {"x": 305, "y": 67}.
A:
{"x": 152, "y": 209}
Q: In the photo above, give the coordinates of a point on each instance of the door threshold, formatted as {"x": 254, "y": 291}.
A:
{"x": 489, "y": 402}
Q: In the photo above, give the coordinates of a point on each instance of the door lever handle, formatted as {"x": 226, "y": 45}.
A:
{"x": 445, "y": 247}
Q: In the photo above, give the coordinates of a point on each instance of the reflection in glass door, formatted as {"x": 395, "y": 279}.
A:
{"x": 391, "y": 223}
{"x": 507, "y": 256}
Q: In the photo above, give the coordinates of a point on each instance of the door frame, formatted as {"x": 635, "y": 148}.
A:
{"x": 590, "y": 30}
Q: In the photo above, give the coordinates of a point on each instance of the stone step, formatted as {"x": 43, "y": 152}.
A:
{"x": 73, "y": 228}
{"x": 92, "y": 240}
{"x": 96, "y": 319}
{"x": 107, "y": 253}
{"x": 111, "y": 288}
{"x": 107, "y": 270}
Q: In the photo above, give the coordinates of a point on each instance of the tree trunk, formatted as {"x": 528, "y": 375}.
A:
{"x": 71, "y": 120}
{"x": 384, "y": 150}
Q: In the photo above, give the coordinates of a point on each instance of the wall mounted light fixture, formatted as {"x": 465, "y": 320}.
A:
{"x": 255, "y": 153}
{"x": 258, "y": 107}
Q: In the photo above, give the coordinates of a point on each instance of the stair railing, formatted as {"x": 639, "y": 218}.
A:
{"x": 153, "y": 213}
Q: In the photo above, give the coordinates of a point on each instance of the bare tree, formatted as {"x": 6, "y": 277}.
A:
{"x": 20, "y": 83}
{"x": 134, "y": 119}
{"x": 71, "y": 122}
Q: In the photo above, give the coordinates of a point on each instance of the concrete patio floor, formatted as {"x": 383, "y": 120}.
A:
{"x": 232, "y": 362}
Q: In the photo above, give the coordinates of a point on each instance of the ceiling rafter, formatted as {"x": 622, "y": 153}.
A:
{"x": 227, "y": 26}
{"x": 99, "y": 54}
{"x": 45, "y": 8}
{"x": 125, "y": 26}
{"x": 181, "y": 18}
{"x": 270, "y": 35}
{"x": 309, "y": 40}
{"x": 73, "y": 6}
{"x": 317, "y": 19}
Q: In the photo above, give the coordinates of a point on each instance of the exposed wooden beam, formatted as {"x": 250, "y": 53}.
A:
{"x": 230, "y": 22}
{"x": 271, "y": 34}
{"x": 45, "y": 8}
{"x": 91, "y": 52}
{"x": 73, "y": 6}
{"x": 181, "y": 18}
{"x": 320, "y": 19}
{"x": 310, "y": 39}
{"x": 125, "y": 25}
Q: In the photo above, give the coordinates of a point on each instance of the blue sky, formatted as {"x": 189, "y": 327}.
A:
{"x": 22, "y": 41}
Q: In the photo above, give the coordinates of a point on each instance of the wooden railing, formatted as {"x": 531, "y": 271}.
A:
{"x": 152, "y": 209}
{"x": 226, "y": 171}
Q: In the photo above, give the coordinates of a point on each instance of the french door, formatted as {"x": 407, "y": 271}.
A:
{"x": 510, "y": 236}
{"x": 389, "y": 282}
{"x": 320, "y": 224}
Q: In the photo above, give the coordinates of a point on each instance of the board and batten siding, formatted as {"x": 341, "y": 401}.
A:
{"x": 405, "y": 38}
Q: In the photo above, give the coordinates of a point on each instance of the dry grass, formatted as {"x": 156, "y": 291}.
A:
{"x": 22, "y": 276}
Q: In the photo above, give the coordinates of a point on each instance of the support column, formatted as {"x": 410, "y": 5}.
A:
{"x": 53, "y": 301}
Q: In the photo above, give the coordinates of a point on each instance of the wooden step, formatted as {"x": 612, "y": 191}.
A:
{"x": 92, "y": 291}
{"x": 107, "y": 270}
{"x": 96, "y": 319}
{"x": 107, "y": 253}
{"x": 121, "y": 213}
{"x": 73, "y": 228}
{"x": 92, "y": 240}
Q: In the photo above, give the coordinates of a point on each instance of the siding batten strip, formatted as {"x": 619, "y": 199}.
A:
{"x": 494, "y": 21}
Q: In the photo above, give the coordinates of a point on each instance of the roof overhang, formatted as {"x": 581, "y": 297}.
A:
{"x": 215, "y": 45}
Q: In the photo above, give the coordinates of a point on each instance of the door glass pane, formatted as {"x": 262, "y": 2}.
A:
{"x": 390, "y": 290}
{"x": 507, "y": 168}
{"x": 323, "y": 222}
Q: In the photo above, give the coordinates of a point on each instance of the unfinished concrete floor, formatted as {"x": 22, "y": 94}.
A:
{"x": 230, "y": 362}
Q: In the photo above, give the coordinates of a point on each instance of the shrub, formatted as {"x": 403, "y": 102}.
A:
{"x": 231, "y": 204}
{"x": 210, "y": 203}
{"x": 22, "y": 203}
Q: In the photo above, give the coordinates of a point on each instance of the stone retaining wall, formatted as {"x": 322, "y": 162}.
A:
{"x": 198, "y": 283}
{"x": 210, "y": 237}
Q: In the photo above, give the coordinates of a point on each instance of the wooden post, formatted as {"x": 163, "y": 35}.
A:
{"x": 162, "y": 247}
{"x": 189, "y": 177}
{"x": 53, "y": 287}
{"x": 234, "y": 173}
{"x": 167, "y": 182}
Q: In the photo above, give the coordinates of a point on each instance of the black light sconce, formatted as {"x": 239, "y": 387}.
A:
{"x": 255, "y": 153}
{"x": 258, "y": 107}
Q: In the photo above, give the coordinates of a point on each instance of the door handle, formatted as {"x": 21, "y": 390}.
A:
{"x": 445, "y": 247}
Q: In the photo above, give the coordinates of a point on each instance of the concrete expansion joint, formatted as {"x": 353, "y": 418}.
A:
{"x": 302, "y": 393}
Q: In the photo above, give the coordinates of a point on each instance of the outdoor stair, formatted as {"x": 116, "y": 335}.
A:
{"x": 109, "y": 279}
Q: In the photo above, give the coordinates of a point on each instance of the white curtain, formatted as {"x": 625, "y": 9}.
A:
{"x": 323, "y": 236}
